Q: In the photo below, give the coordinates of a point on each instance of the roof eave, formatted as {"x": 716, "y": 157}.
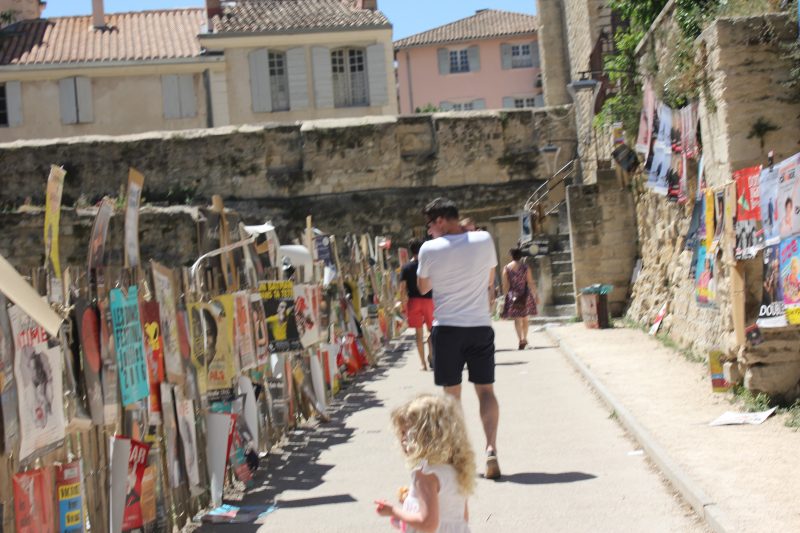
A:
{"x": 471, "y": 39}
{"x": 112, "y": 63}
{"x": 294, "y": 31}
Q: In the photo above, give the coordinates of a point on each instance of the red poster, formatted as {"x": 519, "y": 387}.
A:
{"x": 748, "y": 202}
{"x": 33, "y": 501}
{"x": 153, "y": 351}
{"x": 137, "y": 461}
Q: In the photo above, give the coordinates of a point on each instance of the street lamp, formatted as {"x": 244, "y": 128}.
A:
{"x": 583, "y": 85}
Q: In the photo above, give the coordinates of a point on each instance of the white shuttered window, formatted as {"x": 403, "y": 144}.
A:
{"x": 349, "y": 70}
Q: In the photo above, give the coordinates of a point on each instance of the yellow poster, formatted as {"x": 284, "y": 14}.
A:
{"x": 220, "y": 358}
{"x": 52, "y": 217}
{"x": 709, "y": 217}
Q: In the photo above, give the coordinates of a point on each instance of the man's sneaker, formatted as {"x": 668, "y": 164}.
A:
{"x": 492, "y": 466}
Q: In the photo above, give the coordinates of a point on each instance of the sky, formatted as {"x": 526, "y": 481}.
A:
{"x": 407, "y": 16}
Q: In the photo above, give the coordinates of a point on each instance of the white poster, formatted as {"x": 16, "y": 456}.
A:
{"x": 185, "y": 411}
{"x": 306, "y": 312}
{"x": 243, "y": 331}
{"x": 165, "y": 296}
{"x": 38, "y": 372}
{"x": 789, "y": 196}
{"x": 219, "y": 429}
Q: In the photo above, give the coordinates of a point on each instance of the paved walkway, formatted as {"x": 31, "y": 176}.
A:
{"x": 749, "y": 474}
{"x": 567, "y": 464}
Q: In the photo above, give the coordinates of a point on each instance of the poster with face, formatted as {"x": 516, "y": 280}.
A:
{"x": 132, "y": 204}
{"x": 109, "y": 356}
{"x": 70, "y": 497}
{"x": 129, "y": 344}
{"x": 749, "y": 232}
{"x": 278, "y": 300}
{"x": 218, "y": 324}
{"x": 38, "y": 373}
{"x": 170, "y": 420}
{"x": 260, "y": 329}
{"x": 52, "y": 219}
{"x": 184, "y": 408}
{"x": 789, "y": 196}
{"x": 137, "y": 461}
{"x": 646, "y": 119}
{"x": 164, "y": 289}
{"x": 33, "y": 501}
{"x": 771, "y": 314}
{"x": 306, "y": 313}
{"x": 154, "y": 355}
{"x": 768, "y": 198}
{"x": 9, "y": 424}
{"x": 790, "y": 278}
{"x": 243, "y": 327}
{"x": 89, "y": 333}
{"x": 705, "y": 284}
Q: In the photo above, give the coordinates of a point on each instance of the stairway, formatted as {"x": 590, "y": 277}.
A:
{"x": 563, "y": 307}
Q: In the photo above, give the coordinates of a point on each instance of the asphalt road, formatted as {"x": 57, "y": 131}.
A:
{"x": 567, "y": 465}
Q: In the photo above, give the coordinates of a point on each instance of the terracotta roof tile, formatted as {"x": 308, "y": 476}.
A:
{"x": 143, "y": 35}
{"x": 484, "y": 24}
{"x": 276, "y": 16}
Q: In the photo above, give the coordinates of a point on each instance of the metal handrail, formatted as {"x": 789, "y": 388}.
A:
{"x": 550, "y": 185}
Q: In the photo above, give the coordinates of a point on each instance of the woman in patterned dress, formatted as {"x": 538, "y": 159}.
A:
{"x": 520, "y": 291}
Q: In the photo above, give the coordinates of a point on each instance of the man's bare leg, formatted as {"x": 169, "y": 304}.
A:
{"x": 454, "y": 391}
{"x": 421, "y": 347}
{"x": 490, "y": 416}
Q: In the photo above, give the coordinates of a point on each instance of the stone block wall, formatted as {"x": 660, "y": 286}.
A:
{"x": 604, "y": 240}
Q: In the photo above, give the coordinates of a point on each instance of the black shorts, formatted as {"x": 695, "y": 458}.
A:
{"x": 454, "y": 346}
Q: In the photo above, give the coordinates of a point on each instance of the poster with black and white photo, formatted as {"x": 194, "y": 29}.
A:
{"x": 9, "y": 424}
{"x": 771, "y": 314}
{"x": 662, "y": 153}
{"x": 768, "y": 194}
{"x": 38, "y": 373}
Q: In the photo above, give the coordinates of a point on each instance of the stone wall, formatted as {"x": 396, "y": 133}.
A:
{"x": 604, "y": 240}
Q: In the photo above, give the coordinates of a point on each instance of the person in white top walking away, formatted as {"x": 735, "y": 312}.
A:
{"x": 434, "y": 439}
{"x": 459, "y": 266}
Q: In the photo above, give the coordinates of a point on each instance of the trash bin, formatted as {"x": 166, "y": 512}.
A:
{"x": 594, "y": 306}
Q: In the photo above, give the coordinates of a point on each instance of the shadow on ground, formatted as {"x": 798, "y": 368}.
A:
{"x": 542, "y": 478}
{"x": 293, "y": 465}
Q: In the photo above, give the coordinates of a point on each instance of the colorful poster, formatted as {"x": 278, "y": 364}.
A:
{"x": 197, "y": 328}
{"x": 749, "y": 231}
{"x": 38, "y": 373}
{"x": 33, "y": 501}
{"x": 646, "y": 119}
{"x": 243, "y": 327}
{"x": 9, "y": 423}
{"x": 129, "y": 345}
{"x": 771, "y": 314}
{"x": 260, "y": 329}
{"x": 719, "y": 218}
{"x": 97, "y": 246}
{"x": 108, "y": 353}
{"x": 710, "y": 219}
{"x": 705, "y": 287}
{"x": 164, "y": 289}
{"x": 790, "y": 278}
{"x": 306, "y": 313}
{"x": 89, "y": 333}
{"x": 70, "y": 498}
{"x": 324, "y": 250}
{"x": 154, "y": 355}
{"x": 190, "y": 383}
{"x": 170, "y": 420}
{"x": 132, "y": 204}
{"x": 278, "y": 299}
{"x": 137, "y": 461}
{"x": 52, "y": 219}
{"x": 768, "y": 198}
{"x": 689, "y": 146}
{"x": 186, "y": 428}
{"x": 218, "y": 321}
{"x": 789, "y": 196}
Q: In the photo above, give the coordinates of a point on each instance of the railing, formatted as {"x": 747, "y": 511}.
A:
{"x": 535, "y": 203}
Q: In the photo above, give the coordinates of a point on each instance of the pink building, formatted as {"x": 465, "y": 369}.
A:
{"x": 487, "y": 61}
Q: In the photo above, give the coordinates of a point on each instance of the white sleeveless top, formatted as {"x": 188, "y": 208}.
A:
{"x": 451, "y": 501}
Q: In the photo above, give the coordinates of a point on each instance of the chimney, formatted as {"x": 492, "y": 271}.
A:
{"x": 213, "y": 8}
{"x": 372, "y": 5}
{"x": 98, "y": 14}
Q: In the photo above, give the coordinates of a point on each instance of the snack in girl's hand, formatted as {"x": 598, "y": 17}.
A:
{"x": 402, "y": 492}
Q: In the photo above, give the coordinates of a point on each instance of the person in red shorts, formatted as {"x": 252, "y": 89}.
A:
{"x": 419, "y": 308}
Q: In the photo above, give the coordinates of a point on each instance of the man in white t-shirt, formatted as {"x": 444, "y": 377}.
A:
{"x": 459, "y": 267}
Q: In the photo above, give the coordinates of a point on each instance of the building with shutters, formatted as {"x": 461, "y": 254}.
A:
{"x": 234, "y": 62}
{"x": 487, "y": 61}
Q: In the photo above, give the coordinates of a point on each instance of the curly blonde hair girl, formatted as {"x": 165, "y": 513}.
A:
{"x": 432, "y": 428}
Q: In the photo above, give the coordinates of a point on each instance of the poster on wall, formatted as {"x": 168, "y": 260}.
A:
{"x": 260, "y": 329}
{"x": 306, "y": 313}
{"x": 52, "y": 219}
{"x": 771, "y": 314}
{"x": 164, "y": 288}
{"x": 278, "y": 300}
{"x": 662, "y": 153}
{"x": 218, "y": 321}
{"x": 748, "y": 227}
{"x": 89, "y": 334}
{"x": 705, "y": 286}
{"x": 9, "y": 423}
{"x": 109, "y": 375}
{"x": 789, "y": 196}
{"x": 689, "y": 147}
{"x": 324, "y": 251}
{"x": 97, "y": 245}
{"x": 184, "y": 409}
{"x": 790, "y": 278}
{"x": 170, "y": 421}
{"x": 132, "y": 204}
{"x": 646, "y": 119}
{"x": 243, "y": 327}
{"x": 191, "y": 386}
{"x": 38, "y": 373}
{"x": 154, "y": 355}
{"x": 129, "y": 345}
{"x": 719, "y": 219}
{"x": 137, "y": 461}
{"x": 70, "y": 497}
{"x": 197, "y": 332}
{"x": 768, "y": 198}
{"x": 33, "y": 501}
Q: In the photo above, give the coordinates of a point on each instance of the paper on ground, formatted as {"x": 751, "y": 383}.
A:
{"x": 731, "y": 418}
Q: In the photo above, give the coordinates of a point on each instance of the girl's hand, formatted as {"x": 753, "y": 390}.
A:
{"x": 384, "y": 508}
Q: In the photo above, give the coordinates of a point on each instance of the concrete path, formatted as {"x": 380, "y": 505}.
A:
{"x": 567, "y": 465}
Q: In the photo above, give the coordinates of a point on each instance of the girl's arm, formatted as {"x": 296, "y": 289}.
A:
{"x": 505, "y": 283}
{"x": 427, "y": 519}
